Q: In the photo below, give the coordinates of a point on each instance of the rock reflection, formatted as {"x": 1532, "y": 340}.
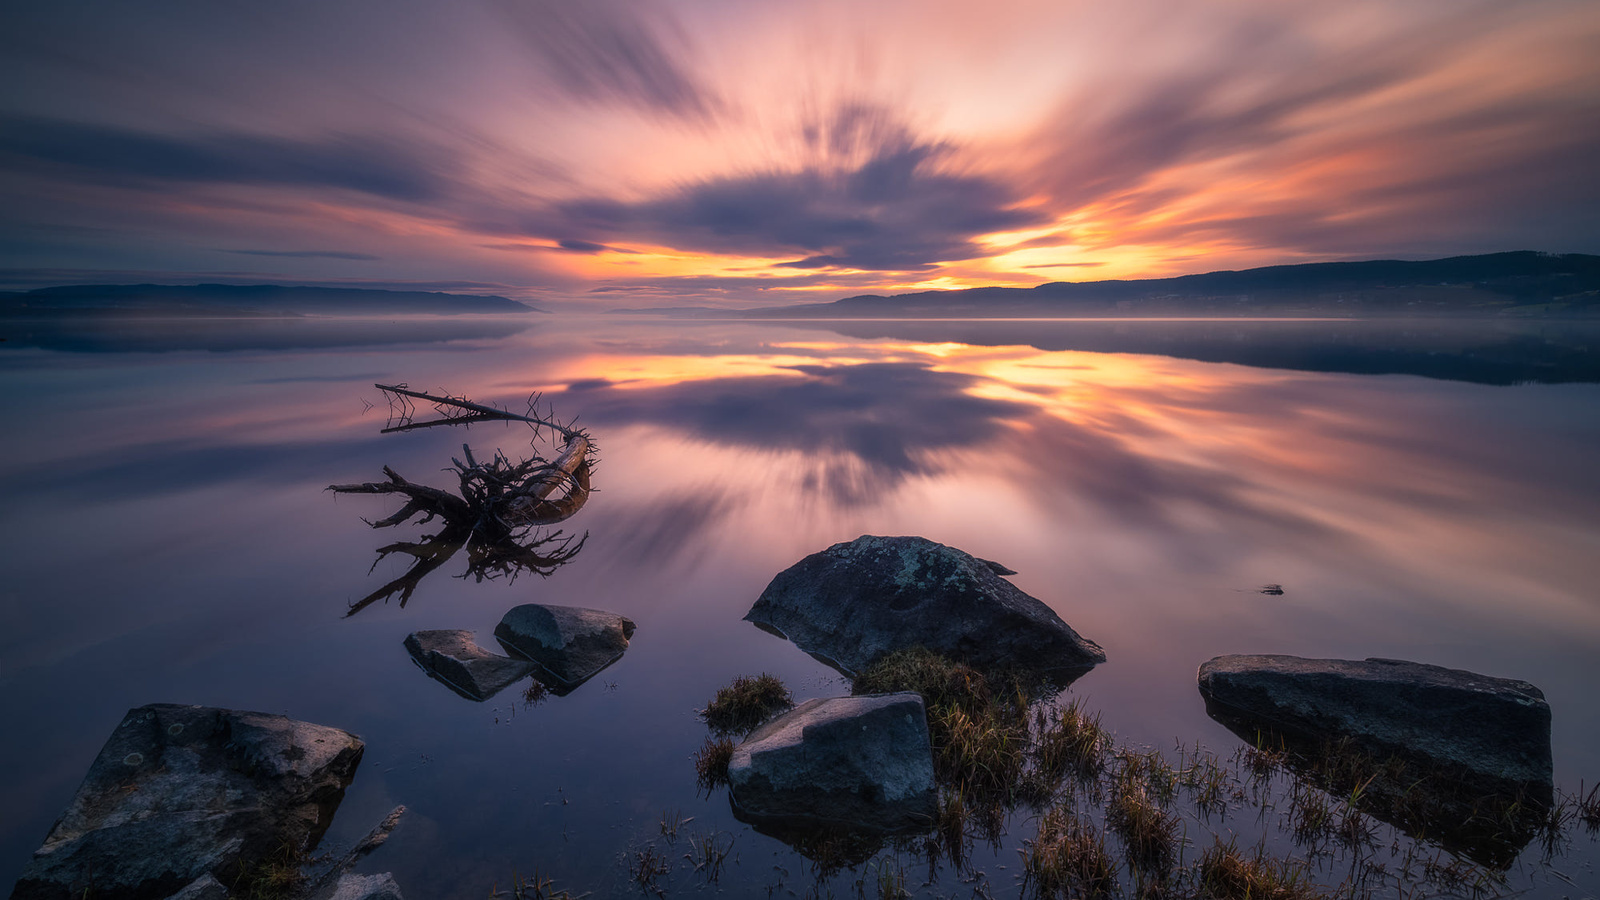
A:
{"x": 1480, "y": 820}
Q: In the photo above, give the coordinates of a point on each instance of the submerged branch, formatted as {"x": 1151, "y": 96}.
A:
{"x": 501, "y": 505}
{"x": 483, "y": 412}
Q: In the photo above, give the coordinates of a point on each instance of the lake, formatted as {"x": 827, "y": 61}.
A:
{"x": 1420, "y": 491}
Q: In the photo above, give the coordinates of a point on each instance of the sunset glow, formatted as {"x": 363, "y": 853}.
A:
{"x": 614, "y": 154}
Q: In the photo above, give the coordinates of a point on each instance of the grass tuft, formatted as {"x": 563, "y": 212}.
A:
{"x": 745, "y": 704}
{"x": 1589, "y": 808}
{"x": 1069, "y": 742}
{"x": 536, "y": 888}
{"x": 1068, "y": 859}
{"x": 281, "y": 875}
{"x": 711, "y": 763}
{"x": 1227, "y": 874}
{"x": 535, "y": 694}
{"x": 1149, "y": 833}
{"x": 645, "y": 869}
{"x": 708, "y": 853}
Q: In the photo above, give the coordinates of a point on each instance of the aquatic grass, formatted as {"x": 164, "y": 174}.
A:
{"x": 535, "y": 694}
{"x": 671, "y": 823}
{"x": 645, "y": 868}
{"x": 708, "y": 853}
{"x": 279, "y": 876}
{"x": 891, "y": 881}
{"x": 1227, "y": 874}
{"x": 1589, "y": 807}
{"x": 537, "y": 887}
{"x": 976, "y": 723}
{"x": 1311, "y": 817}
{"x": 1148, "y": 832}
{"x": 744, "y": 705}
{"x": 1069, "y": 742}
{"x": 1068, "y": 858}
{"x": 1204, "y": 778}
{"x": 950, "y": 833}
{"x": 711, "y": 763}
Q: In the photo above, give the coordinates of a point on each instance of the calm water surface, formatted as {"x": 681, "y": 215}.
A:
{"x": 168, "y": 539}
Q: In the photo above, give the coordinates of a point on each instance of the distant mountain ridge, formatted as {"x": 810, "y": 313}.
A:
{"x": 252, "y": 300}
{"x": 1515, "y": 283}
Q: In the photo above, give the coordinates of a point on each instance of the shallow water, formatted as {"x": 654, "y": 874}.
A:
{"x": 168, "y": 539}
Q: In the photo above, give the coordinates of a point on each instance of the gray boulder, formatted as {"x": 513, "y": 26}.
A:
{"x": 454, "y": 658}
{"x": 1493, "y": 728}
{"x": 570, "y": 644}
{"x": 853, "y": 603}
{"x": 860, "y": 763}
{"x": 181, "y": 792}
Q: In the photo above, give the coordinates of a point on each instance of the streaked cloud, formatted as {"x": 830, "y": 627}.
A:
{"x": 761, "y": 153}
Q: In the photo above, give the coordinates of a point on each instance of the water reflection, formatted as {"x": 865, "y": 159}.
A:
{"x": 502, "y": 507}
{"x": 1144, "y": 497}
{"x": 885, "y": 417}
{"x": 1485, "y": 820}
{"x": 1485, "y": 352}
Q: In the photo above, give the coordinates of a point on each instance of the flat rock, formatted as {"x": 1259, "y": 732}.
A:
{"x": 1495, "y": 728}
{"x": 853, "y": 603}
{"x": 362, "y": 887}
{"x": 570, "y": 644}
{"x": 454, "y": 658}
{"x": 861, "y": 763}
{"x": 181, "y": 792}
{"x": 206, "y": 887}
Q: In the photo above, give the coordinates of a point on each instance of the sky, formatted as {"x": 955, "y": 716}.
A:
{"x": 607, "y": 153}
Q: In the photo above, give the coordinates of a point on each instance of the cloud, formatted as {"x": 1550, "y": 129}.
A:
{"x": 104, "y": 154}
{"x": 895, "y": 209}
{"x": 608, "y": 51}
{"x": 307, "y": 254}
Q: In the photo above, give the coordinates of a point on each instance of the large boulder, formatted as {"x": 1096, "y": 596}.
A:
{"x": 570, "y": 644}
{"x": 860, "y": 763}
{"x": 856, "y": 602}
{"x": 455, "y": 659}
{"x": 181, "y": 792}
{"x": 1496, "y": 727}
{"x": 1461, "y": 758}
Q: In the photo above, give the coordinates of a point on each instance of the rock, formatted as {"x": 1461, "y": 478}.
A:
{"x": 362, "y": 887}
{"x": 853, "y": 603}
{"x": 205, "y": 887}
{"x": 1460, "y": 758}
{"x": 1492, "y": 726}
{"x": 454, "y": 658}
{"x": 571, "y": 645}
{"x": 180, "y": 792}
{"x": 861, "y": 763}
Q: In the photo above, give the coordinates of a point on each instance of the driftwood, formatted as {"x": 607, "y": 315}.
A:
{"x": 501, "y": 505}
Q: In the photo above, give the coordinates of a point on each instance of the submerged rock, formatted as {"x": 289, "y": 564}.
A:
{"x": 181, "y": 792}
{"x": 454, "y": 658}
{"x": 1459, "y": 757}
{"x": 856, "y": 602}
{"x": 860, "y": 763}
{"x": 206, "y": 887}
{"x": 570, "y": 644}
{"x": 362, "y": 887}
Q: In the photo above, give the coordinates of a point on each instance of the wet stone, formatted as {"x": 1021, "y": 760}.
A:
{"x": 854, "y": 603}
{"x": 181, "y": 792}
{"x": 860, "y": 763}
{"x": 455, "y": 659}
{"x": 569, "y": 643}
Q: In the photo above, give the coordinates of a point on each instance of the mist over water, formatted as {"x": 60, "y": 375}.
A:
{"x": 1428, "y": 497}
